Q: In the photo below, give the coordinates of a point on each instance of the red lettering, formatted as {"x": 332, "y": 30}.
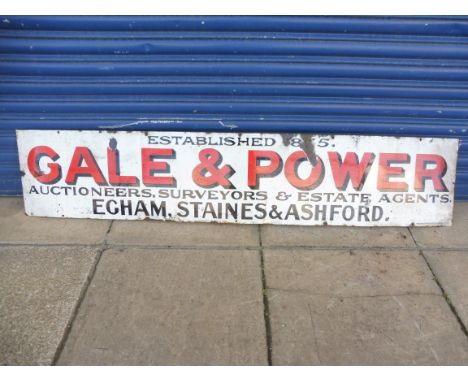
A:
{"x": 76, "y": 169}
{"x": 422, "y": 173}
{"x": 35, "y": 155}
{"x": 149, "y": 167}
{"x": 255, "y": 171}
{"x": 386, "y": 171}
{"x": 350, "y": 169}
{"x": 113, "y": 163}
{"x": 316, "y": 173}
{"x": 207, "y": 174}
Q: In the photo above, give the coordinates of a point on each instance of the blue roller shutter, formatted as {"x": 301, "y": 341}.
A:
{"x": 352, "y": 75}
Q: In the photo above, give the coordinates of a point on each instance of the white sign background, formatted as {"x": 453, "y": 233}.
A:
{"x": 275, "y": 201}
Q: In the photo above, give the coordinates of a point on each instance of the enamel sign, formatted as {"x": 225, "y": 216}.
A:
{"x": 252, "y": 178}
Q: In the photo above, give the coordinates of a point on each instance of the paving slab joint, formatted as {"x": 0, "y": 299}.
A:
{"x": 266, "y": 306}
{"x": 106, "y": 236}
{"x": 439, "y": 284}
{"x": 84, "y": 290}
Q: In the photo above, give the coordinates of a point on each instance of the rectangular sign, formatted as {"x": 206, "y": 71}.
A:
{"x": 253, "y": 178}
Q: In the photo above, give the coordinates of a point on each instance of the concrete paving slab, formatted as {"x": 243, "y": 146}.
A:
{"x": 166, "y": 307}
{"x": 451, "y": 269}
{"x": 348, "y": 272}
{"x": 183, "y": 234}
{"x": 335, "y": 236}
{"x": 39, "y": 289}
{"x": 17, "y": 228}
{"x": 385, "y": 330}
{"x": 358, "y": 307}
{"x": 455, "y": 236}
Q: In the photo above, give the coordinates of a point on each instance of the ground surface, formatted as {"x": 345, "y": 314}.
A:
{"x": 82, "y": 292}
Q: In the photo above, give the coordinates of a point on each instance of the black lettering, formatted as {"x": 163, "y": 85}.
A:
{"x": 97, "y": 203}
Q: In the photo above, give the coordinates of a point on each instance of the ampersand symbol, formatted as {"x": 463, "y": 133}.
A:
{"x": 210, "y": 159}
{"x": 282, "y": 196}
{"x": 274, "y": 213}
